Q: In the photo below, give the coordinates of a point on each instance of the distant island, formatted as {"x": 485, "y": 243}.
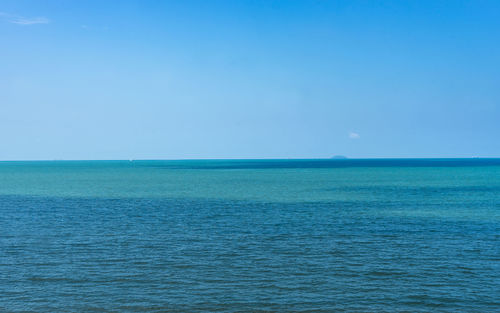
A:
{"x": 338, "y": 157}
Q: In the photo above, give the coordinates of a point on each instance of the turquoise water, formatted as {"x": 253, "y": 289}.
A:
{"x": 250, "y": 235}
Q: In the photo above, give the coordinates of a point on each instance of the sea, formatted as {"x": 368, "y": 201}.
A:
{"x": 339, "y": 235}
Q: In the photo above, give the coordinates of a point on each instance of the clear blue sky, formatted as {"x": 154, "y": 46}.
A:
{"x": 249, "y": 79}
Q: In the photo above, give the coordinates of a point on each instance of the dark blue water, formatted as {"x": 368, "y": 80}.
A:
{"x": 237, "y": 237}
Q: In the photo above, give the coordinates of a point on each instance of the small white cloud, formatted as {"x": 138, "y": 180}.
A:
{"x": 30, "y": 21}
{"x": 353, "y": 135}
{"x": 21, "y": 20}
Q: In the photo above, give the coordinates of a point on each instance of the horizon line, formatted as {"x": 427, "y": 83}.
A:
{"x": 252, "y": 159}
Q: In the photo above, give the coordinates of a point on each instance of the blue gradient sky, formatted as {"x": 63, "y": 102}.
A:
{"x": 249, "y": 79}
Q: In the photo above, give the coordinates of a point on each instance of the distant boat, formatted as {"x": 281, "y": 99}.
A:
{"x": 338, "y": 157}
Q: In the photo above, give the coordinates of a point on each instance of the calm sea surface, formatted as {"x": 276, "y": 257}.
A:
{"x": 250, "y": 236}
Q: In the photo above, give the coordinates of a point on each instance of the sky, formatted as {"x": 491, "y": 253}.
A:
{"x": 249, "y": 79}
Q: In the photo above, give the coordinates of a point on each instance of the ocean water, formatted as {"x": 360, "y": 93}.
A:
{"x": 250, "y": 236}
